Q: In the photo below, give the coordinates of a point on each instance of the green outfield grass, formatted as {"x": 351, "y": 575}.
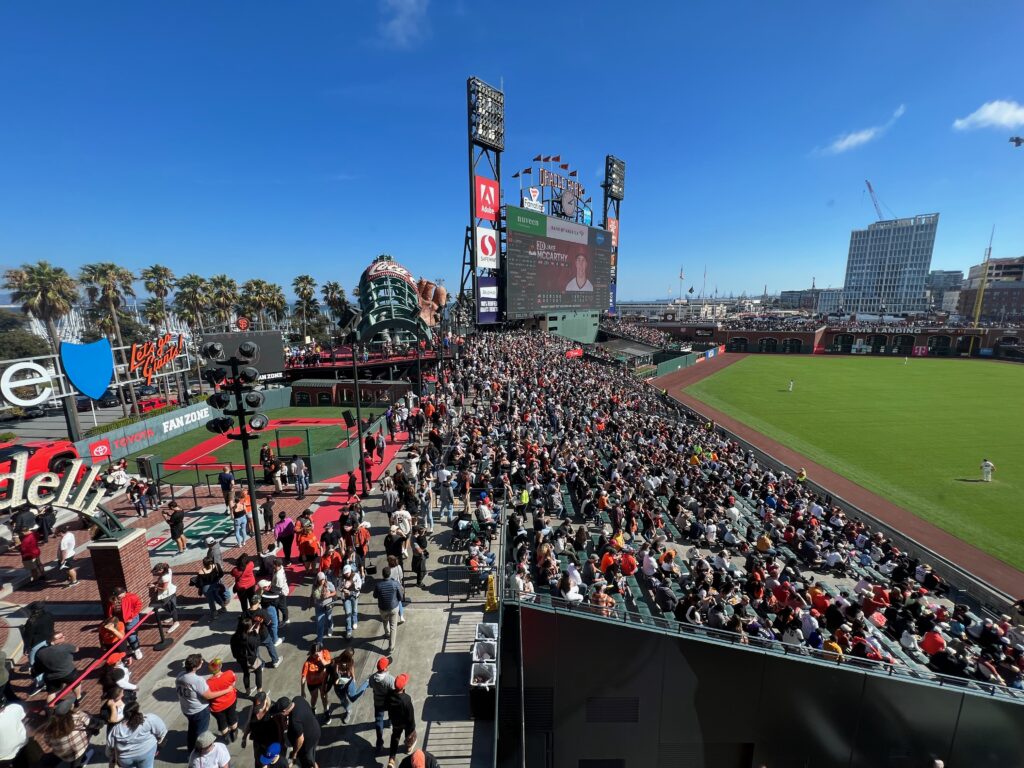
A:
{"x": 914, "y": 433}
{"x": 321, "y": 438}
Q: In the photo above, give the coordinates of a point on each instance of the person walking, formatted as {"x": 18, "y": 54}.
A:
{"x": 56, "y": 663}
{"x": 403, "y": 718}
{"x": 175, "y": 517}
{"x": 350, "y": 585}
{"x": 382, "y": 684}
{"x": 226, "y": 480}
{"x": 208, "y": 582}
{"x": 284, "y": 534}
{"x": 790, "y": 385}
{"x": 245, "y": 648}
{"x": 240, "y": 521}
{"x": 987, "y": 468}
{"x": 245, "y": 580}
{"x": 313, "y": 676}
{"x": 194, "y": 697}
{"x": 303, "y": 730}
{"x": 30, "y": 552}
{"x": 133, "y": 742}
{"x": 66, "y": 556}
{"x": 128, "y": 606}
{"x": 343, "y": 681}
{"x": 389, "y": 596}
{"x": 265, "y": 621}
{"x": 280, "y": 589}
{"x": 321, "y": 599}
{"x": 267, "y": 508}
{"x": 419, "y": 758}
{"x": 262, "y": 727}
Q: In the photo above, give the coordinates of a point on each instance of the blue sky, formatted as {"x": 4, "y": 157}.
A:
{"x": 267, "y": 139}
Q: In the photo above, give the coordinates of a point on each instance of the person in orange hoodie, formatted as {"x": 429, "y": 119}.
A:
{"x": 314, "y": 675}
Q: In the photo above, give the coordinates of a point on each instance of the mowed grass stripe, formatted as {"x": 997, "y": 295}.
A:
{"x": 914, "y": 433}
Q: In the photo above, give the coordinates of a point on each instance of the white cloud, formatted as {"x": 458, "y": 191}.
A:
{"x": 847, "y": 141}
{"x": 405, "y": 21}
{"x": 993, "y": 114}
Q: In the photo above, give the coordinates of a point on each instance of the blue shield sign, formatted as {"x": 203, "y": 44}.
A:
{"x": 88, "y": 366}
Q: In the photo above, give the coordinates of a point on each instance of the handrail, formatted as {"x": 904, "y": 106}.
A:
{"x": 621, "y": 614}
{"x": 64, "y": 692}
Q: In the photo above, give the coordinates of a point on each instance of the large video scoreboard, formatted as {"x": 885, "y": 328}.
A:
{"x": 553, "y": 264}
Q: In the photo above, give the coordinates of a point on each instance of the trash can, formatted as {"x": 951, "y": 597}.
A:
{"x": 147, "y": 466}
{"x": 483, "y": 679}
{"x": 486, "y": 631}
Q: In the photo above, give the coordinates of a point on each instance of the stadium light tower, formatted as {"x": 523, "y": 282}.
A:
{"x": 614, "y": 190}
{"x": 485, "y": 106}
{"x": 247, "y": 401}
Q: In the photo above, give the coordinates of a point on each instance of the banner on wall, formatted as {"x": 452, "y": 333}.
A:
{"x": 486, "y": 300}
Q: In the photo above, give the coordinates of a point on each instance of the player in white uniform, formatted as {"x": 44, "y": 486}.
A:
{"x": 987, "y": 467}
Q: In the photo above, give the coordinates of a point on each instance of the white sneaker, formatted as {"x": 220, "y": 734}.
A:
{"x": 401, "y": 620}
{"x": 279, "y": 641}
{"x": 138, "y": 653}
{"x": 173, "y": 627}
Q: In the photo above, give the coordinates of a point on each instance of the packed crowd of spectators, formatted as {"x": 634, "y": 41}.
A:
{"x": 662, "y": 510}
{"x": 639, "y": 332}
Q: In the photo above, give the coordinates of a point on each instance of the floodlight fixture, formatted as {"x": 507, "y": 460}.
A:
{"x": 259, "y": 422}
{"x": 213, "y": 350}
{"x": 220, "y": 425}
{"x": 248, "y": 374}
{"x": 219, "y": 400}
{"x": 253, "y": 399}
{"x": 486, "y": 115}
{"x": 215, "y": 376}
{"x": 248, "y": 350}
{"x": 615, "y": 177}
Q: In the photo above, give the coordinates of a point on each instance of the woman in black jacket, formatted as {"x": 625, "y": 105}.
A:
{"x": 402, "y": 714}
{"x": 420, "y": 554}
{"x": 245, "y": 646}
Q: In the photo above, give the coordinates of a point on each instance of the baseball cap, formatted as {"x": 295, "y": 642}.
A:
{"x": 64, "y": 706}
{"x": 264, "y": 583}
{"x": 383, "y": 663}
{"x": 205, "y": 739}
{"x": 347, "y": 569}
{"x": 401, "y": 681}
{"x": 271, "y": 754}
{"x": 322, "y": 576}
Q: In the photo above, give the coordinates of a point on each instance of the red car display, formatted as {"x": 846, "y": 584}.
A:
{"x": 152, "y": 403}
{"x": 43, "y": 456}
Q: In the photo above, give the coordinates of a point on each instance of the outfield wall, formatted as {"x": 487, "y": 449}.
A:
{"x": 144, "y": 434}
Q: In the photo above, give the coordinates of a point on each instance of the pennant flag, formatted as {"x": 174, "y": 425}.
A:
{"x": 526, "y": 171}
{"x": 547, "y": 159}
{"x": 691, "y": 289}
{"x": 515, "y": 175}
{"x": 572, "y": 174}
{"x": 556, "y": 158}
{"x": 564, "y": 166}
{"x": 536, "y": 159}
{"x": 588, "y": 200}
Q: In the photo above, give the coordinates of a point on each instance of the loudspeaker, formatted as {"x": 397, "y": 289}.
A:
{"x": 350, "y": 420}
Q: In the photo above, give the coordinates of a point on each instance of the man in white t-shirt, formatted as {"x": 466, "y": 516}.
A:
{"x": 209, "y": 753}
{"x": 66, "y": 555}
{"x": 12, "y": 729}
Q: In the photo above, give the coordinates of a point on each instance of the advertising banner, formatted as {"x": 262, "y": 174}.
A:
{"x": 487, "y": 253}
{"x": 531, "y": 199}
{"x": 613, "y": 230}
{"x": 486, "y": 300}
{"x": 527, "y": 222}
{"x": 486, "y": 198}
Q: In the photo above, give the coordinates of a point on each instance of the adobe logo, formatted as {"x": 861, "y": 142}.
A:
{"x": 486, "y": 198}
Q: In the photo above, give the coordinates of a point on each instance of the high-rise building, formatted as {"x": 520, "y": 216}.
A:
{"x": 887, "y": 266}
{"x": 939, "y": 282}
{"x": 1004, "y": 290}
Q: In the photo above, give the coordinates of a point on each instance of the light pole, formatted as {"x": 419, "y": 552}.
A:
{"x": 246, "y": 400}
{"x": 359, "y": 420}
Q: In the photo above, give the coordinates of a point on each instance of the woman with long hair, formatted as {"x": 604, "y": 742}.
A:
{"x": 67, "y": 734}
{"x": 343, "y": 681}
{"x": 133, "y": 742}
{"x": 245, "y": 580}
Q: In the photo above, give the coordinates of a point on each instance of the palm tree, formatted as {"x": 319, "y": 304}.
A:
{"x": 159, "y": 280}
{"x": 305, "y": 289}
{"x": 223, "y": 297}
{"x": 107, "y": 284}
{"x": 332, "y": 292}
{"x": 190, "y": 303}
{"x": 277, "y": 304}
{"x": 47, "y": 293}
{"x": 255, "y": 299}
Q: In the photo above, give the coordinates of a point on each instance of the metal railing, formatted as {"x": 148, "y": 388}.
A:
{"x": 621, "y": 614}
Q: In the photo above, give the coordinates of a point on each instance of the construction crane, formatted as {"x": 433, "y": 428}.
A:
{"x": 874, "y": 199}
{"x": 979, "y": 298}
